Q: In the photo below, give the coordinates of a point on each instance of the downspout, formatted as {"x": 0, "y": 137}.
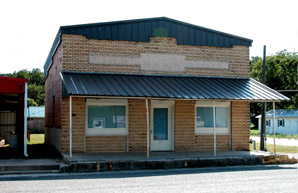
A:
{"x": 25, "y": 119}
{"x": 214, "y": 128}
{"x": 274, "y": 128}
{"x": 148, "y": 129}
{"x": 70, "y": 127}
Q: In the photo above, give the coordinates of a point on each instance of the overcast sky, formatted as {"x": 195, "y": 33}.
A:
{"x": 28, "y": 28}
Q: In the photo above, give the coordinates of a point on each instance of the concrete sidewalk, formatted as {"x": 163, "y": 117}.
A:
{"x": 278, "y": 141}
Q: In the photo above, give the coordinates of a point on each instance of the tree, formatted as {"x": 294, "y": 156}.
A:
{"x": 281, "y": 74}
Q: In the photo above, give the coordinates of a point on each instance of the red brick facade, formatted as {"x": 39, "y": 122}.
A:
{"x": 53, "y": 91}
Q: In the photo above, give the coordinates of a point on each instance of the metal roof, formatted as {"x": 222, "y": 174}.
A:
{"x": 36, "y": 112}
{"x": 166, "y": 86}
{"x": 141, "y": 30}
{"x": 281, "y": 113}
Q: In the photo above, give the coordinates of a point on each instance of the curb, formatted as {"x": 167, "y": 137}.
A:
{"x": 102, "y": 166}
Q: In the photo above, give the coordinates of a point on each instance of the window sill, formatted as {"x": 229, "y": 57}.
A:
{"x": 196, "y": 134}
{"x": 106, "y": 134}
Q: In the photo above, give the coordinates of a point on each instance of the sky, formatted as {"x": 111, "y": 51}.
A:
{"x": 28, "y": 28}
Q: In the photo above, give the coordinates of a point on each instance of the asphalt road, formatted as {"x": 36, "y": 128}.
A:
{"x": 265, "y": 179}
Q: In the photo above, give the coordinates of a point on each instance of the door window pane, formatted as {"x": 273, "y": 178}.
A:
{"x": 106, "y": 117}
{"x": 160, "y": 123}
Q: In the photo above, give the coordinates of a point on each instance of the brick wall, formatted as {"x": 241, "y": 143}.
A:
{"x": 206, "y": 142}
{"x": 138, "y": 125}
{"x": 184, "y": 125}
{"x": 106, "y": 144}
{"x": 78, "y": 125}
{"x": 240, "y": 125}
{"x": 76, "y": 50}
{"x": 53, "y": 88}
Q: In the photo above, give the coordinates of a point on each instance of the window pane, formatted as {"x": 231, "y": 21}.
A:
{"x": 221, "y": 114}
{"x": 205, "y": 117}
{"x": 106, "y": 117}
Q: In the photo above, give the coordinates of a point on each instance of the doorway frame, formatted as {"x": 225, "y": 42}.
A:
{"x": 169, "y": 104}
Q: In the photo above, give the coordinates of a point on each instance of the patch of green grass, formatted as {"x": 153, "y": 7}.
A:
{"x": 284, "y": 136}
{"x": 279, "y": 148}
{"x": 256, "y": 133}
{"x": 36, "y": 139}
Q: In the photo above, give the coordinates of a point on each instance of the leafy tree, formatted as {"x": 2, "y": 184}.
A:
{"x": 281, "y": 74}
{"x": 31, "y": 102}
{"x": 36, "y": 92}
{"x": 36, "y": 77}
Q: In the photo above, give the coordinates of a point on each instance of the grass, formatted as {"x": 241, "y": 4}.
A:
{"x": 279, "y": 148}
{"x": 36, "y": 139}
{"x": 256, "y": 133}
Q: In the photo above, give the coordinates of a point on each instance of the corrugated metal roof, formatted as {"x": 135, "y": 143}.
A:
{"x": 161, "y": 86}
{"x": 281, "y": 113}
{"x": 36, "y": 112}
{"x": 141, "y": 30}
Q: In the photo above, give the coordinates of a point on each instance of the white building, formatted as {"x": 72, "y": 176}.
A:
{"x": 286, "y": 121}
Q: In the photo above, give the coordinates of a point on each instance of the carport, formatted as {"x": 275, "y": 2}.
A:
{"x": 13, "y": 114}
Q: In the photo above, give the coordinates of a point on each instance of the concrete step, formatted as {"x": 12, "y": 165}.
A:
{"x": 30, "y": 172}
{"x": 25, "y": 169}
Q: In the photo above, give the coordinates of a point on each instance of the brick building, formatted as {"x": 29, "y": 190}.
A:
{"x": 147, "y": 85}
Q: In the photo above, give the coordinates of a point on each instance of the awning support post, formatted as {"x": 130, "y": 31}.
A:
{"x": 70, "y": 126}
{"x": 274, "y": 128}
{"x": 214, "y": 128}
{"x": 25, "y": 119}
{"x": 148, "y": 129}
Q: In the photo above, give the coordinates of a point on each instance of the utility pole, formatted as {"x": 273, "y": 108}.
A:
{"x": 263, "y": 109}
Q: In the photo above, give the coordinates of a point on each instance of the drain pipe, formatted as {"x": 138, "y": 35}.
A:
{"x": 70, "y": 126}
{"x": 254, "y": 142}
{"x": 148, "y": 128}
{"x": 274, "y": 149}
{"x": 25, "y": 119}
{"x": 214, "y": 128}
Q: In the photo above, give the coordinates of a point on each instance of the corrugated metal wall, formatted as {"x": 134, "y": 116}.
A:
{"x": 142, "y": 29}
{"x": 7, "y": 123}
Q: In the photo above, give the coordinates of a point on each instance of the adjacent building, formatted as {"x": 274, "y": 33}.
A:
{"x": 286, "y": 121}
{"x": 13, "y": 115}
{"x": 146, "y": 85}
